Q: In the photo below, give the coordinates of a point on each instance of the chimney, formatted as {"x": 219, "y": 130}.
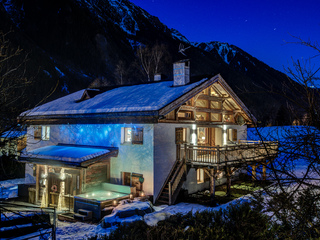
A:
{"x": 157, "y": 77}
{"x": 181, "y": 72}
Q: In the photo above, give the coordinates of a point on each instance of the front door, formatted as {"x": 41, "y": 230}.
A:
{"x": 206, "y": 136}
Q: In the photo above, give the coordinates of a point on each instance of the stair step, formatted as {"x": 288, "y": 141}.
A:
{"x": 164, "y": 197}
{"x": 163, "y": 202}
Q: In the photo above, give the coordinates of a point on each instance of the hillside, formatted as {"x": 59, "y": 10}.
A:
{"x": 71, "y": 43}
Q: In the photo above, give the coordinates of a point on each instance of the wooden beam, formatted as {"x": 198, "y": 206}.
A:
{"x": 198, "y": 109}
{"x": 212, "y": 174}
{"x": 212, "y": 98}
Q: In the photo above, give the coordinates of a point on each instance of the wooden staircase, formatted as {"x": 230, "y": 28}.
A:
{"x": 173, "y": 183}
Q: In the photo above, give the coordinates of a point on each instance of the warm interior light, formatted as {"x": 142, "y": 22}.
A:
{"x": 115, "y": 202}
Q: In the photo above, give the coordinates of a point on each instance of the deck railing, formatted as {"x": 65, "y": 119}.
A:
{"x": 244, "y": 151}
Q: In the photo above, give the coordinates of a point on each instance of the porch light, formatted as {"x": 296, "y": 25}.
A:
{"x": 115, "y": 202}
{"x": 131, "y": 196}
{"x": 142, "y": 194}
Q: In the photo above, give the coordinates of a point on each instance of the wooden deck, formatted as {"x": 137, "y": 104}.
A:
{"x": 244, "y": 152}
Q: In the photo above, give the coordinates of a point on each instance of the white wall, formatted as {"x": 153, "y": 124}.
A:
{"x": 164, "y": 152}
{"x": 131, "y": 158}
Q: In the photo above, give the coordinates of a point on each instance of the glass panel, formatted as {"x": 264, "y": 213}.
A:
{"x": 45, "y": 132}
{"x": 228, "y": 118}
{"x": 202, "y": 136}
{"x": 127, "y": 135}
{"x": 213, "y": 92}
{"x": 216, "y": 117}
{"x": 215, "y": 105}
{"x": 202, "y": 103}
{"x": 201, "y": 116}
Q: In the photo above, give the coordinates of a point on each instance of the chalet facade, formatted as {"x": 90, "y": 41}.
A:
{"x": 157, "y": 137}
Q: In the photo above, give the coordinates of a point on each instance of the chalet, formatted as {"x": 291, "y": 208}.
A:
{"x": 156, "y": 138}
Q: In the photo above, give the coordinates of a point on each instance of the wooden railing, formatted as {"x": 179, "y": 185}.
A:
{"x": 244, "y": 151}
{"x": 175, "y": 181}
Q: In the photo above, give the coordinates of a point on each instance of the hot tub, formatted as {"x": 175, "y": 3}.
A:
{"x": 99, "y": 198}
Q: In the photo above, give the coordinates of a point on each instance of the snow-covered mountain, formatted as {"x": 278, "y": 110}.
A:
{"x": 75, "y": 42}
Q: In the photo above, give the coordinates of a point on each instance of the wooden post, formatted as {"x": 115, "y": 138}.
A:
{"x": 264, "y": 170}
{"x": 170, "y": 193}
{"x": 185, "y": 152}
{"x": 37, "y": 183}
{"x": 212, "y": 175}
{"x": 212, "y": 186}
{"x": 228, "y": 175}
{"x": 254, "y": 174}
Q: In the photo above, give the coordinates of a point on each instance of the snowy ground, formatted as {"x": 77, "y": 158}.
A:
{"x": 79, "y": 230}
{"x": 9, "y": 188}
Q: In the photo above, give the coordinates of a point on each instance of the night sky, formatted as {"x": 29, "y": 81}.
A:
{"x": 260, "y": 28}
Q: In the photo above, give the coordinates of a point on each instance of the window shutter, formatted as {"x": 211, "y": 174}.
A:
{"x": 235, "y": 135}
{"x": 137, "y": 135}
{"x": 179, "y": 135}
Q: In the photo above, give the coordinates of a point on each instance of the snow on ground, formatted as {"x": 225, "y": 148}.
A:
{"x": 9, "y": 188}
{"x": 81, "y": 230}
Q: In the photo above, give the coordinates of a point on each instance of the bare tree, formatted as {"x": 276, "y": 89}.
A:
{"x": 152, "y": 59}
{"x": 293, "y": 198}
{"x": 120, "y": 72}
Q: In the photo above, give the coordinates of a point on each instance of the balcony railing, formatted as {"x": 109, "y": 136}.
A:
{"x": 244, "y": 151}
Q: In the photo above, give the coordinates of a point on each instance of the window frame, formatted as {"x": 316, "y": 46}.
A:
{"x": 136, "y": 135}
{"x": 45, "y": 133}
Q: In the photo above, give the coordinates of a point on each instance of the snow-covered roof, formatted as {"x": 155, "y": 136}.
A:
{"x": 13, "y": 134}
{"x": 136, "y": 98}
{"x": 75, "y": 155}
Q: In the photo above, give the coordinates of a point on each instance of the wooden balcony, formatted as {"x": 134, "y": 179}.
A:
{"x": 244, "y": 152}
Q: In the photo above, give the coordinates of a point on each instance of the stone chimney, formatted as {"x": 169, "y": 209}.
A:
{"x": 181, "y": 73}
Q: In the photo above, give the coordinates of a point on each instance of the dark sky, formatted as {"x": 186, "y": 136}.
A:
{"x": 260, "y": 28}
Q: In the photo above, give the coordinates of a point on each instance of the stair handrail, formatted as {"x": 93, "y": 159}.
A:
{"x": 175, "y": 180}
{"x": 168, "y": 176}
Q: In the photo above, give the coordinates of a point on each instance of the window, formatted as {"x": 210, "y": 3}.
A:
{"x": 132, "y": 135}
{"x": 45, "y": 133}
{"x": 202, "y": 103}
{"x": 37, "y": 133}
{"x": 200, "y": 175}
{"x": 201, "y": 116}
{"x": 126, "y": 178}
{"x": 181, "y": 135}
{"x": 202, "y": 135}
{"x": 41, "y": 133}
{"x": 184, "y": 115}
{"x": 127, "y": 135}
{"x": 216, "y": 117}
{"x": 137, "y": 135}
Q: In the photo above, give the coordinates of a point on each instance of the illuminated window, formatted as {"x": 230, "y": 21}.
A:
{"x": 201, "y": 116}
{"x": 45, "y": 133}
{"x": 216, "y": 117}
{"x": 132, "y": 135}
{"x": 202, "y": 135}
{"x": 215, "y": 105}
{"x": 202, "y": 103}
{"x": 37, "y": 133}
{"x": 200, "y": 175}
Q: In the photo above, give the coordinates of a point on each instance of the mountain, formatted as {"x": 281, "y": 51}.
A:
{"x": 71, "y": 43}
